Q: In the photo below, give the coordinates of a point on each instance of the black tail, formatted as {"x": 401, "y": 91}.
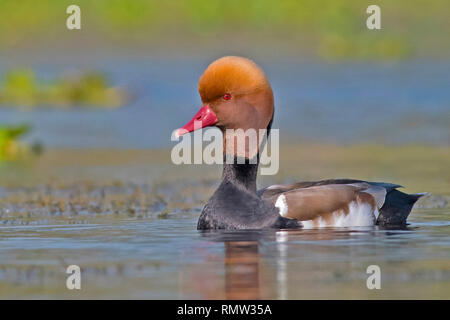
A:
{"x": 397, "y": 208}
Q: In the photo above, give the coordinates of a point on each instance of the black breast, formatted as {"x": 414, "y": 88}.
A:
{"x": 234, "y": 207}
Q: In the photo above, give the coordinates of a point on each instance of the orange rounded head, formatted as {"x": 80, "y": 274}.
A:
{"x": 236, "y": 94}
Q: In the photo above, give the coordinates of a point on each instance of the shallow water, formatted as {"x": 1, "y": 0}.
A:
{"x": 169, "y": 259}
{"x": 128, "y": 219}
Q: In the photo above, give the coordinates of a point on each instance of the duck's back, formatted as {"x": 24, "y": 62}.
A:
{"x": 342, "y": 202}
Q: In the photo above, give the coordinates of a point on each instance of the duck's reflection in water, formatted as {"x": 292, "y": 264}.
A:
{"x": 242, "y": 276}
{"x": 284, "y": 264}
{"x": 241, "y": 263}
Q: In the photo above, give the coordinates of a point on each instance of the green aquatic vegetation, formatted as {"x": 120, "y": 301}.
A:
{"x": 23, "y": 89}
{"x": 10, "y": 146}
{"x": 327, "y": 28}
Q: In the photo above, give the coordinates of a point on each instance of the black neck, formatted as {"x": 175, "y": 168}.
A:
{"x": 243, "y": 174}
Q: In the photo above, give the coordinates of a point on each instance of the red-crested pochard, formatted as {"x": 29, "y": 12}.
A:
{"x": 236, "y": 94}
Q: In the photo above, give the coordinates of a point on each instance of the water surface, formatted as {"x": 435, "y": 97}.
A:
{"x": 128, "y": 219}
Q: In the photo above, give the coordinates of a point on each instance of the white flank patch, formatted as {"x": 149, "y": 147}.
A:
{"x": 376, "y": 213}
{"x": 311, "y": 224}
{"x": 281, "y": 204}
{"x": 274, "y": 186}
{"x": 360, "y": 215}
{"x": 308, "y": 224}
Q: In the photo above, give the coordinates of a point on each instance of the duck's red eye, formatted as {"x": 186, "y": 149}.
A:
{"x": 226, "y": 96}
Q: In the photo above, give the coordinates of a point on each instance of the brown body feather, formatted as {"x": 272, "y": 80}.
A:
{"x": 321, "y": 202}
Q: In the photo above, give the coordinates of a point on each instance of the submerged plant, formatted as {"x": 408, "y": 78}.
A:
{"x": 22, "y": 88}
{"x": 10, "y": 146}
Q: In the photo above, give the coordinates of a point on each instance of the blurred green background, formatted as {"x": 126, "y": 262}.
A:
{"x": 327, "y": 28}
{"x": 147, "y": 55}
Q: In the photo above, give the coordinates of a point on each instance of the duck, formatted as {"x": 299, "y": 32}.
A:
{"x": 236, "y": 94}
